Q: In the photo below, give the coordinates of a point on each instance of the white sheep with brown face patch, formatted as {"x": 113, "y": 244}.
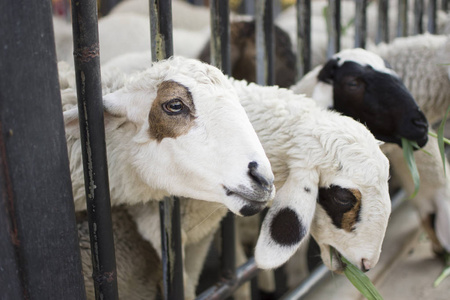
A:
{"x": 175, "y": 129}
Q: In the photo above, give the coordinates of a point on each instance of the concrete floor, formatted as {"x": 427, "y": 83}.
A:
{"x": 406, "y": 270}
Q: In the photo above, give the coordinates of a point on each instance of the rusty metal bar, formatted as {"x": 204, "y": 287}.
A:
{"x": 432, "y": 16}
{"x": 265, "y": 47}
{"x": 402, "y": 25}
{"x": 169, "y": 208}
{"x": 334, "y": 27}
{"x": 225, "y": 288}
{"x": 418, "y": 17}
{"x": 360, "y": 23}
{"x": 303, "y": 37}
{"x": 90, "y": 107}
{"x": 383, "y": 22}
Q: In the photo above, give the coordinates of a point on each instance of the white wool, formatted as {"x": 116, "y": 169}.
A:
{"x": 421, "y": 62}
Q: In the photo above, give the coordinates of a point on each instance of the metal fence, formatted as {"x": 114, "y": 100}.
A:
{"x": 39, "y": 254}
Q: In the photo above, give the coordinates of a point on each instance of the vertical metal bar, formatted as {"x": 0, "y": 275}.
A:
{"x": 418, "y": 17}
{"x": 360, "y": 23}
{"x": 265, "y": 47}
{"x": 444, "y": 5}
{"x": 39, "y": 253}
{"x": 402, "y": 25}
{"x": 169, "y": 209}
{"x": 220, "y": 57}
{"x": 90, "y": 106}
{"x": 303, "y": 37}
{"x": 432, "y": 15}
{"x": 107, "y": 5}
{"x": 334, "y": 27}
{"x": 220, "y": 36}
{"x": 383, "y": 22}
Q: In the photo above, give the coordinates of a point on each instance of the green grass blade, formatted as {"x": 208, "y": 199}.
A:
{"x": 446, "y": 141}
{"x": 361, "y": 281}
{"x": 446, "y": 272}
{"x": 408, "y": 155}
{"x": 440, "y": 138}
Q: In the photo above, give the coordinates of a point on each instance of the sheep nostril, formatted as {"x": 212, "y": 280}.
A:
{"x": 365, "y": 265}
{"x": 258, "y": 177}
{"x": 420, "y": 123}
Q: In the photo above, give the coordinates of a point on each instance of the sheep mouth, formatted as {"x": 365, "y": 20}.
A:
{"x": 336, "y": 256}
{"x": 252, "y": 202}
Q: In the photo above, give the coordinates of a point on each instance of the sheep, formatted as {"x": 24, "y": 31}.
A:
{"x": 351, "y": 69}
{"x": 312, "y": 152}
{"x": 165, "y": 128}
{"x": 243, "y": 52}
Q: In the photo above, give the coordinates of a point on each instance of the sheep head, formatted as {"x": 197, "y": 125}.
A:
{"x": 178, "y": 128}
{"x": 359, "y": 84}
{"x": 348, "y": 179}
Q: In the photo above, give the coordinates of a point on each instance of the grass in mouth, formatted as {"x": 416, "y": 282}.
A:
{"x": 359, "y": 280}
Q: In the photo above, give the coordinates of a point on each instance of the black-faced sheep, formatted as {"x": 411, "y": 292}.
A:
{"x": 433, "y": 198}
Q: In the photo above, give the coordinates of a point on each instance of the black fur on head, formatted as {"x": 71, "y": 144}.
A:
{"x": 377, "y": 99}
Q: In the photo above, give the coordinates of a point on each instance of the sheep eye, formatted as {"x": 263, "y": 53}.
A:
{"x": 173, "y": 107}
{"x": 353, "y": 84}
{"x": 344, "y": 201}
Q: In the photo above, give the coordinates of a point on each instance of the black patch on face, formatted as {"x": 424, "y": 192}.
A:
{"x": 286, "y": 228}
{"x": 376, "y": 99}
{"x": 307, "y": 189}
{"x": 337, "y": 201}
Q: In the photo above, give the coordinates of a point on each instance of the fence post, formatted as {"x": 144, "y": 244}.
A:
{"x": 39, "y": 253}
{"x": 402, "y": 25}
{"x": 169, "y": 209}
{"x": 265, "y": 47}
{"x": 432, "y": 15}
{"x": 360, "y": 23}
{"x": 303, "y": 37}
{"x": 418, "y": 15}
{"x": 334, "y": 27}
{"x": 92, "y": 132}
{"x": 383, "y": 22}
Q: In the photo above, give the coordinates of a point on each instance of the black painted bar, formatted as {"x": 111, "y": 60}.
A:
{"x": 444, "y": 5}
{"x": 39, "y": 253}
{"x": 303, "y": 37}
{"x": 418, "y": 16}
{"x": 334, "y": 27}
{"x": 383, "y": 22}
{"x": 90, "y": 107}
{"x": 106, "y": 6}
{"x": 432, "y": 15}
{"x": 225, "y": 288}
{"x": 360, "y": 23}
{"x": 169, "y": 209}
{"x": 265, "y": 47}
{"x": 402, "y": 25}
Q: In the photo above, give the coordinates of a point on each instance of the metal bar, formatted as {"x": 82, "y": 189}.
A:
{"x": 90, "y": 109}
{"x": 161, "y": 29}
{"x": 360, "y": 23}
{"x": 225, "y": 288}
{"x": 402, "y": 25}
{"x": 432, "y": 15}
{"x": 39, "y": 253}
{"x": 334, "y": 27}
{"x": 169, "y": 208}
{"x": 418, "y": 17}
{"x": 106, "y": 6}
{"x": 444, "y": 5}
{"x": 172, "y": 261}
{"x": 303, "y": 37}
{"x": 220, "y": 36}
{"x": 265, "y": 47}
{"x": 383, "y": 22}
{"x": 313, "y": 279}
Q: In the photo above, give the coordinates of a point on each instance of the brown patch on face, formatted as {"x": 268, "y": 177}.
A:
{"x": 173, "y": 111}
{"x": 350, "y": 218}
{"x": 342, "y": 205}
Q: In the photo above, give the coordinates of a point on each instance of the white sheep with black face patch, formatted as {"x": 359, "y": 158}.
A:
{"x": 353, "y": 67}
{"x": 165, "y": 128}
{"x": 312, "y": 150}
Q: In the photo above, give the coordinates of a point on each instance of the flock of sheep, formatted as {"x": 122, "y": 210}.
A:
{"x": 180, "y": 127}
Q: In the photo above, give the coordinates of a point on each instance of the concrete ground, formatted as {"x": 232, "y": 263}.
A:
{"x": 406, "y": 270}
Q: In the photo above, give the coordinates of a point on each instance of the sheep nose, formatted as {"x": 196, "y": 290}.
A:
{"x": 365, "y": 265}
{"x": 420, "y": 123}
{"x": 258, "y": 177}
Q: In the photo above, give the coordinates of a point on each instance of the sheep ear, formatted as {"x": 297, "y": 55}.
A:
{"x": 115, "y": 113}
{"x": 327, "y": 72}
{"x": 288, "y": 221}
